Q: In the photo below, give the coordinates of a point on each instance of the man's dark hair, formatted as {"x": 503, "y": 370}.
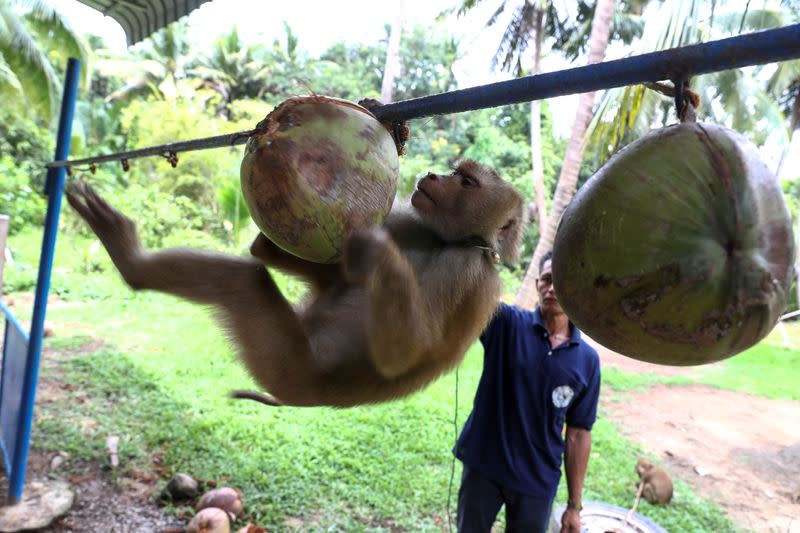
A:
{"x": 546, "y": 257}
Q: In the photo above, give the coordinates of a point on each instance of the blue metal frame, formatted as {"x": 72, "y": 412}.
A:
{"x": 15, "y": 350}
{"x": 30, "y": 370}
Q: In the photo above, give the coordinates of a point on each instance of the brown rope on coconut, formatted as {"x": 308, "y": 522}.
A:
{"x": 398, "y": 130}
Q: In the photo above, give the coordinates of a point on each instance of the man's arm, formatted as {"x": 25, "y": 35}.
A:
{"x": 576, "y": 461}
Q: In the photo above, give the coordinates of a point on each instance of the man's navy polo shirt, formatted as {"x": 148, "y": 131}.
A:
{"x": 526, "y": 392}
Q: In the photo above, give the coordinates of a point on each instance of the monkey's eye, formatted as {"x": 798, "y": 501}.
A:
{"x": 468, "y": 181}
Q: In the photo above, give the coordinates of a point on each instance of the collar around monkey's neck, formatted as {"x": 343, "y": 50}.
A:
{"x": 481, "y": 244}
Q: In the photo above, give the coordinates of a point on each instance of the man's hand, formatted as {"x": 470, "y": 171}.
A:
{"x": 571, "y": 521}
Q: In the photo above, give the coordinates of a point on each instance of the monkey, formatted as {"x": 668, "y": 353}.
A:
{"x": 655, "y": 485}
{"x": 401, "y": 308}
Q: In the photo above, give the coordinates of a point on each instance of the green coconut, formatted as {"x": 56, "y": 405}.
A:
{"x": 679, "y": 250}
{"x": 318, "y": 169}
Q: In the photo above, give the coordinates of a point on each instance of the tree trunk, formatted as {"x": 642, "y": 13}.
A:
{"x": 794, "y": 123}
{"x": 392, "y": 67}
{"x": 598, "y": 41}
{"x": 536, "y": 129}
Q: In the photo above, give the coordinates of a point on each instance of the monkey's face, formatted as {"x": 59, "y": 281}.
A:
{"x": 643, "y": 466}
{"x": 472, "y": 201}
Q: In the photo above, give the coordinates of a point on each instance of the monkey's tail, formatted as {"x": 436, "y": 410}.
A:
{"x": 261, "y": 397}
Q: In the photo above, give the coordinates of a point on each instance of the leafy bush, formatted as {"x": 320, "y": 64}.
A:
{"x": 18, "y": 197}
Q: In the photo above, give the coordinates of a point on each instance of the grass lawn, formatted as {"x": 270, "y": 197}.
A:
{"x": 160, "y": 382}
{"x": 770, "y": 369}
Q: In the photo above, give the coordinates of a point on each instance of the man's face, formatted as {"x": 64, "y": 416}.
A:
{"x": 547, "y": 293}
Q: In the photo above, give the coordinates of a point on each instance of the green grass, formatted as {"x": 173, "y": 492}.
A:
{"x": 160, "y": 384}
{"x": 767, "y": 369}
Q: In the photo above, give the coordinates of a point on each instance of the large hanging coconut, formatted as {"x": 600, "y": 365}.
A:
{"x": 679, "y": 250}
{"x": 319, "y": 168}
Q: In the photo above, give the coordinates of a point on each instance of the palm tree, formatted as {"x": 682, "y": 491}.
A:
{"x": 153, "y": 67}
{"x": 628, "y": 113}
{"x": 392, "y": 68}
{"x": 233, "y": 69}
{"x": 32, "y": 34}
{"x": 568, "y": 179}
{"x": 527, "y": 21}
{"x": 531, "y": 22}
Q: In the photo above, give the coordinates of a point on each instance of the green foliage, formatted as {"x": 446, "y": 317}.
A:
{"x": 25, "y": 140}
{"x": 426, "y": 63}
{"x": 18, "y": 198}
{"x": 234, "y": 209}
{"x": 352, "y": 72}
{"x": 765, "y": 369}
{"x": 35, "y": 41}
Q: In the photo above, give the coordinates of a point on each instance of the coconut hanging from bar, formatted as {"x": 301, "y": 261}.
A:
{"x": 679, "y": 250}
{"x": 317, "y": 169}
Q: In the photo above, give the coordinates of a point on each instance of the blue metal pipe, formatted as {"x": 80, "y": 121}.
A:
{"x": 758, "y": 48}
{"x": 12, "y": 321}
{"x": 54, "y": 189}
{"x": 768, "y": 46}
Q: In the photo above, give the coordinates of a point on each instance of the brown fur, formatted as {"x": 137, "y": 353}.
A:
{"x": 655, "y": 482}
{"x": 403, "y": 307}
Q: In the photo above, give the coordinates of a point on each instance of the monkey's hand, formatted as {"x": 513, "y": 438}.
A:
{"x": 116, "y": 231}
{"x": 398, "y": 130}
{"x": 363, "y": 252}
{"x": 265, "y": 250}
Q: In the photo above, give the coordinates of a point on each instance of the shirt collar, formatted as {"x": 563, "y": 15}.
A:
{"x": 575, "y": 335}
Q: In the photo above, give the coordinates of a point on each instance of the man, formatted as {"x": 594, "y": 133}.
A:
{"x": 537, "y": 374}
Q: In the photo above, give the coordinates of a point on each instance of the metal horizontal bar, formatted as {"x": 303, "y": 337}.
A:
{"x": 231, "y": 139}
{"x": 779, "y": 44}
{"x": 789, "y": 315}
{"x": 758, "y": 48}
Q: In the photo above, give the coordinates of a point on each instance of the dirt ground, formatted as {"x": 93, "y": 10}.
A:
{"x": 739, "y": 450}
{"x": 125, "y": 506}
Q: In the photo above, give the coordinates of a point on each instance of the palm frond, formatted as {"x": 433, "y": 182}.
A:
{"x": 51, "y": 25}
{"x": 786, "y": 75}
{"x": 732, "y": 23}
{"x": 8, "y": 80}
{"x": 22, "y": 54}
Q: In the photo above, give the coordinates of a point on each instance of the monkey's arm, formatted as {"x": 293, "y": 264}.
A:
{"x": 318, "y": 274}
{"x": 400, "y": 325}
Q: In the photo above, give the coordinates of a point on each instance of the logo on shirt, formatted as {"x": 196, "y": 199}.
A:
{"x": 562, "y": 396}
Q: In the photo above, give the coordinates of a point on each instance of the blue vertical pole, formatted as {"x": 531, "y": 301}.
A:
{"x": 54, "y": 188}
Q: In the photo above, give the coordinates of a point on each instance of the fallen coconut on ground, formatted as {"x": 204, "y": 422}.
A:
{"x": 209, "y": 520}
{"x": 679, "y": 250}
{"x": 317, "y": 169}
{"x": 225, "y": 498}
{"x": 180, "y": 487}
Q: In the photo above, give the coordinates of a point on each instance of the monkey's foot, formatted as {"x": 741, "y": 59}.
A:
{"x": 116, "y": 231}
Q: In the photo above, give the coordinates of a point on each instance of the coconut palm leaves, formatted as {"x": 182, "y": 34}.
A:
{"x": 151, "y": 68}
{"x": 32, "y": 33}
{"x": 736, "y": 98}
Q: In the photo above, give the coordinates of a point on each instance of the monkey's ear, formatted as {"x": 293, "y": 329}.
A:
{"x": 509, "y": 238}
